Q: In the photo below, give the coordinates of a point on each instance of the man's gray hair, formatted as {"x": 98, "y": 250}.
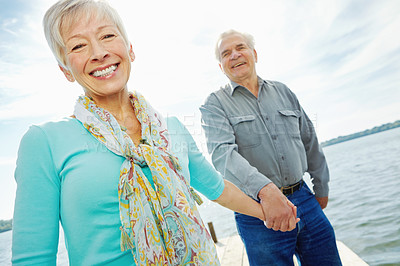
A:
{"x": 65, "y": 12}
{"x": 249, "y": 39}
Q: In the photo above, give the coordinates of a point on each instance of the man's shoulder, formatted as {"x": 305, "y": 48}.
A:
{"x": 281, "y": 87}
{"x": 223, "y": 90}
{"x": 278, "y": 84}
{"x": 215, "y": 96}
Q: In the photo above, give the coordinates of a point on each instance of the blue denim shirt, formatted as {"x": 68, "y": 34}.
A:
{"x": 254, "y": 141}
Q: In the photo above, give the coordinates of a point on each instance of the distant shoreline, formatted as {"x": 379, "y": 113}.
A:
{"x": 5, "y": 225}
{"x": 6, "y": 230}
{"x": 360, "y": 134}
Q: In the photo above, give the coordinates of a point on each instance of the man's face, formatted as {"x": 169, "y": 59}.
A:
{"x": 237, "y": 59}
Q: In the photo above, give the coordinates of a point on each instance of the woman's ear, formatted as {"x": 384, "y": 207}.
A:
{"x": 67, "y": 74}
{"x": 131, "y": 53}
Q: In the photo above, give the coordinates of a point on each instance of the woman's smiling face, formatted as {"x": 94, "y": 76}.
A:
{"x": 97, "y": 56}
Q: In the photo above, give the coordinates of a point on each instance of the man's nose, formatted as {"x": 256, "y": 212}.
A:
{"x": 235, "y": 54}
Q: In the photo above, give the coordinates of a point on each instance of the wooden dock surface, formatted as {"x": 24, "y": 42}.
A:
{"x": 231, "y": 252}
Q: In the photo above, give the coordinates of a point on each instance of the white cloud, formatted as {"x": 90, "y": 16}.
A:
{"x": 7, "y": 24}
{"x": 36, "y": 90}
{"x": 7, "y": 160}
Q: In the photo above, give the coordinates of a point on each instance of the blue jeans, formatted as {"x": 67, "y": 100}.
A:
{"x": 313, "y": 239}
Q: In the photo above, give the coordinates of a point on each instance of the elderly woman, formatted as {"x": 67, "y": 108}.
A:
{"x": 116, "y": 175}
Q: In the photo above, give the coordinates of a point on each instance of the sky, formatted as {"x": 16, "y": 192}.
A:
{"x": 340, "y": 57}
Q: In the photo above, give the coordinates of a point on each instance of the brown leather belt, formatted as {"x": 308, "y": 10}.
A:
{"x": 289, "y": 190}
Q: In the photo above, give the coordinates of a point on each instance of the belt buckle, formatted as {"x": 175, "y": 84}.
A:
{"x": 291, "y": 188}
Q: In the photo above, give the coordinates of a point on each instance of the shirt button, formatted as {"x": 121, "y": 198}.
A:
{"x": 274, "y": 137}
{"x": 283, "y": 158}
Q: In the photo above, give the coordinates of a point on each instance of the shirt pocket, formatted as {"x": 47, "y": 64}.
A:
{"x": 247, "y": 133}
{"x": 288, "y": 122}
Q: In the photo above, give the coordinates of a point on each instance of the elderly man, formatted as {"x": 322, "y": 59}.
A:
{"x": 261, "y": 139}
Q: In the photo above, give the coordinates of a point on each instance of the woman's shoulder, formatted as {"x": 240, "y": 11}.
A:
{"x": 65, "y": 124}
{"x": 174, "y": 124}
{"x": 39, "y": 139}
{"x": 172, "y": 121}
{"x": 53, "y": 130}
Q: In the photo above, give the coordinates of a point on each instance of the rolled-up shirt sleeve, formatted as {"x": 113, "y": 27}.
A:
{"x": 224, "y": 151}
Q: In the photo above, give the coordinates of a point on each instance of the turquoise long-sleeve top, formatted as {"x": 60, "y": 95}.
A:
{"x": 65, "y": 175}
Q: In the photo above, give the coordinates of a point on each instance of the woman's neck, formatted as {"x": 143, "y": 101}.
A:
{"x": 120, "y": 106}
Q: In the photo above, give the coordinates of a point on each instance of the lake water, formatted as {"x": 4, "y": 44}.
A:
{"x": 364, "y": 202}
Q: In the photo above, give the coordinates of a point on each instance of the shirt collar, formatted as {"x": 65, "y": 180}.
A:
{"x": 233, "y": 85}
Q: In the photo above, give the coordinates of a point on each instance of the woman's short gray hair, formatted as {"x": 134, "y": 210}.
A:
{"x": 249, "y": 39}
{"x": 65, "y": 12}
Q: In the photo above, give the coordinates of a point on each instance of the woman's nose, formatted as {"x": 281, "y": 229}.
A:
{"x": 98, "y": 52}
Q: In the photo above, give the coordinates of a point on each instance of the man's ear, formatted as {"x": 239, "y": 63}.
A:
{"x": 67, "y": 74}
{"x": 220, "y": 66}
{"x": 255, "y": 55}
{"x": 131, "y": 53}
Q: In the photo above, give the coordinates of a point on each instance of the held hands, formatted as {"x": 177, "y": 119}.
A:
{"x": 280, "y": 214}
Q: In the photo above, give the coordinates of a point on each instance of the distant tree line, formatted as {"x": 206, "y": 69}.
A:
{"x": 5, "y": 225}
{"x": 362, "y": 133}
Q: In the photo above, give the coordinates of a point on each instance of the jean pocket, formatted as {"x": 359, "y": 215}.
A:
{"x": 288, "y": 122}
{"x": 246, "y": 131}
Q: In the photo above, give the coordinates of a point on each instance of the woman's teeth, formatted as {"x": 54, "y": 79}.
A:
{"x": 105, "y": 72}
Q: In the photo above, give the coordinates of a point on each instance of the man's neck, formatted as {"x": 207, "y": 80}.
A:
{"x": 251, "y": 85}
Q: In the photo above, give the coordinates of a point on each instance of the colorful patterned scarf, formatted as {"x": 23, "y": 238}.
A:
{"x": 160, "y": 225}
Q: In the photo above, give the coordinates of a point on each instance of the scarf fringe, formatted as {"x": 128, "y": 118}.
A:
{"x": 196, "y": 196}
{"x": 126, "y": 242}
{"x": 175, "y": 162}
{"x": 127, "y": 190}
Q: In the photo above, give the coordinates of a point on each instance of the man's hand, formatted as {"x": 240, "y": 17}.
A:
{"x": 323, "y": 202}
{"x": 280, "y": 213}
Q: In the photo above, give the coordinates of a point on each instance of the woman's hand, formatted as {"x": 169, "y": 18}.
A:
{"x": 280, "y": 213}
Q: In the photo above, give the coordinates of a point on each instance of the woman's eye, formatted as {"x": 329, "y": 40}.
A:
{"x": 76, "y": 47}
{"x": 108, "y": 36}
